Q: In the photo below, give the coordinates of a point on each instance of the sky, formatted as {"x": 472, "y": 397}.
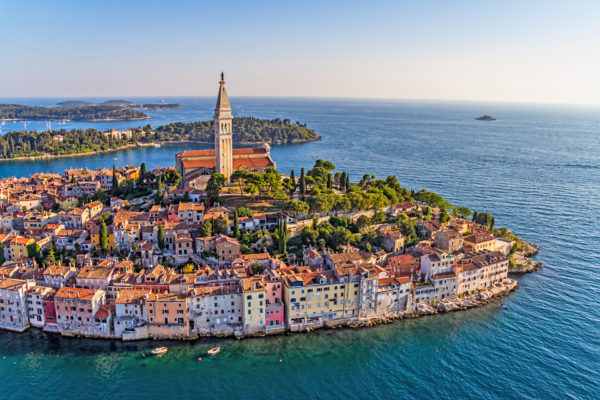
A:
{"x": 516, "y": 51}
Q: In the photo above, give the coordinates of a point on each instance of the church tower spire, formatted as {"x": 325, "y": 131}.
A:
{"x": 223, "y": 132}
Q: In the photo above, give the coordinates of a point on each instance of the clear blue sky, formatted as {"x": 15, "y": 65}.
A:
{"x": 532, "y": 51}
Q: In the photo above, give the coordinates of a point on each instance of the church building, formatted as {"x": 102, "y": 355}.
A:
{"x": 196, "y": 166}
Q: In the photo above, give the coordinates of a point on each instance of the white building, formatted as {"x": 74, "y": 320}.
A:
{"x": 14, "y": 315}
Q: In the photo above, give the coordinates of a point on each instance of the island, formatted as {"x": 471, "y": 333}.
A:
{"x": 252, "y": 254}
{"x": 161, "y": 106}
{"x": 485, "y": 118}
{"x": 62, "y": 143}
{"x": 70, "y": 111}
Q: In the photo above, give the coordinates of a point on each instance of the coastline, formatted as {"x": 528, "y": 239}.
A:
{"x": 421, "y": 310}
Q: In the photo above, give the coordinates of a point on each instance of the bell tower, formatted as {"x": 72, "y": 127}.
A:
{"x": 223, "y": 132}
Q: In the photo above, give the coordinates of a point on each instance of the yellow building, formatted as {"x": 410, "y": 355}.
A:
{"x": 37, "y": 220}
{"x": 317, "y": 297}
{"x": 95, "y": 237}
{"x": 18, "y": 247}
{"x": 95, "y": 208}
{"x": 253, "y": 304}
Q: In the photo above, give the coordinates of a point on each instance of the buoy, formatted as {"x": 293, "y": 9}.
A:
{"x": 280, "y": 360}
{"x": 199, "y": 358}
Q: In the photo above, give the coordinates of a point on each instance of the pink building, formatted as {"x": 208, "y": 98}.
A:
{"x": 76, "y": 309}
{"x": 49, "y": 311}
{"x": 274, "y": 312}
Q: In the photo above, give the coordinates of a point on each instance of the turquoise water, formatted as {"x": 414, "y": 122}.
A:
{"x": 537, "y": 169}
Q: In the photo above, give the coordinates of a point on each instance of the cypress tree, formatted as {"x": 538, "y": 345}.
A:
{"x": 160, "y": 237}
{"x": 347, "y": 182}
{"x": 115, "y": 183}
{"x": 236, "y": 226}
{"x": 329, "y": 183}
{"x": 50, "y": 257}
{"x": 302, "y": 182}
{"x": 143, "y": 172}
{"x": 103, "y": 242}
{"x": 343, "y": 181}
{"x": 159, "y": 190}
{"x": 293, "y": 179}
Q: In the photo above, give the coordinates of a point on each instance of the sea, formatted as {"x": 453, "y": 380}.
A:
{"x": 536, "y": 169}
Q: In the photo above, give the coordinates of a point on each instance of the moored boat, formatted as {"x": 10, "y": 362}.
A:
{"x": 214, "y": 350}
{"x": 159, "y": 350}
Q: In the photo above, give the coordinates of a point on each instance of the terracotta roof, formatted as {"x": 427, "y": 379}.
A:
{"x": 57, "y": 270}
{"x": 235, "y": 152}
{"x": 75, "y": 293}
{"x": 12, "y": 284}
{"x": 105, "y": 311}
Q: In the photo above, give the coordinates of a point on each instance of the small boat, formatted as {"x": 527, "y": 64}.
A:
{"x": 157, "y": 145}
{"x": 159, "y": 350}
{"x": 502, "y": 306}
{"x": 214, "y": 350}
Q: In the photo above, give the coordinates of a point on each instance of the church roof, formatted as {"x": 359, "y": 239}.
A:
{"x": 222, "y": 100}
{"x": 235, "y": 152}
{"x": 238, "y": 162}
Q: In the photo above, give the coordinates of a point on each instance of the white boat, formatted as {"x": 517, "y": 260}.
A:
{"x": 159, "y": 350}
{"x": 214, "y": 350}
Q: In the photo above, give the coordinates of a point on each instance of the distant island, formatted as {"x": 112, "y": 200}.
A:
{"x": 79, "y": 110}
{"x": 121, "y": 103}
{"x": 486, "y": 118}
{"x": 63, "y": 143}
{"x": 72, "y": 111}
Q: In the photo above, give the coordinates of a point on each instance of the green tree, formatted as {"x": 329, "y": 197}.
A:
{"x": 297, "y": 207}
{"x": 302, "y": 184}
{"x": 103, "y": 241}
{"x": 347, "y": 185}
{"x": 171, "y": 178}
{"x": 159, "y": 190}
{"x": 293, "y": 179}
{"x": 329, "y": 181}
{"x": 2, "y": 258}
{"x": 257, "y": 268}
{"x": 220, "y": 226}
{"x": 50, "y": 258}
{"x": 143, "y": 173}
{"x": 160, "y": 237}
{"x": 115, "y": 181}
{"x": 462, "y": 212}
{"x": 236, "y": 226}
{"x": 214, "y": 185}
{"x": 252, "y": 190}
{"x": 207, "y": 228}
{"x": 240, "y": 176}
{"x": 33, "y": 251}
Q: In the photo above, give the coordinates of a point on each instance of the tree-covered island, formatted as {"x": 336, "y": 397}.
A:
{"x": 56, "y": 143}
{"x": 93, "y": 112}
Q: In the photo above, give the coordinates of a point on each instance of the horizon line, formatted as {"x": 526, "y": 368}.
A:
{"x": 123, "y": 97}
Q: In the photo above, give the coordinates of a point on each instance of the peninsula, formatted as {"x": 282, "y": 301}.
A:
{"x": 135, "y": 254}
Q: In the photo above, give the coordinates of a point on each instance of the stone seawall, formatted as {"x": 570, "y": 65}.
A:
{"x": 419, "y": 310}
